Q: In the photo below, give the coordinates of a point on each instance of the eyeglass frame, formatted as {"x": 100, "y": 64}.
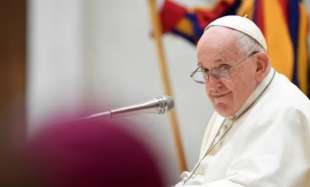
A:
{"x": 206, "y": 72}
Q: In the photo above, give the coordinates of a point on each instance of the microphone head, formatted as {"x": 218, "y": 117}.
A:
{"x": 166, "y": 103}
{"x": 170, "y": 102}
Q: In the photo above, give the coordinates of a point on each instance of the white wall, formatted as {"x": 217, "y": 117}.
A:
{"x": 103, "y": 50}
{"x": 55, "y": 57}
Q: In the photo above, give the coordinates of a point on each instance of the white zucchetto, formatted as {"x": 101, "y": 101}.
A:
{"x": 241, "y": 24}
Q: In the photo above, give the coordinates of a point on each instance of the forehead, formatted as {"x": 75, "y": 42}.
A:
{"x": 218, "y": 44}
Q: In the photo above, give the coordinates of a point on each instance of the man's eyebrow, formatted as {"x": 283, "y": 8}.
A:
{"x": 215, "y": 61}
{"x": 219, "y": 60}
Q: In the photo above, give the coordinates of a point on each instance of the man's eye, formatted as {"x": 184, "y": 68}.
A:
{"x": 224, "y": 67}
{"x": 204, "y": 70}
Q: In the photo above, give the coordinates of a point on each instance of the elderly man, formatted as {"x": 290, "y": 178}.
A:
{"x": 259, "y": 134}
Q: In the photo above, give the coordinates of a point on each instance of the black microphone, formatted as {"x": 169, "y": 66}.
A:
{"x": 159, "y": 105}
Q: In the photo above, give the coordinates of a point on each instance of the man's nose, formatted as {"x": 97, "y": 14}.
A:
{"x": 212, "y": 82}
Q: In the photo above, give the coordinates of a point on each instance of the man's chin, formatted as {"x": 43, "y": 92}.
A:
{"x": 223, "y": 109}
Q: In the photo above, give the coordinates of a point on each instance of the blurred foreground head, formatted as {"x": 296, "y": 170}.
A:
{"x": 91, "y": 153}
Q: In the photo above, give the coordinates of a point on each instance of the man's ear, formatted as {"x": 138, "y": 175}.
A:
{"x": 262, "y": 66}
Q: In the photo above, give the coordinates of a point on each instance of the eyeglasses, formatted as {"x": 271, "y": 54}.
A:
{"x": 201, "y": 75}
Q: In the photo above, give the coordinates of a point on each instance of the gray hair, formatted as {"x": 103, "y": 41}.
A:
{"x": 248, "y": 44}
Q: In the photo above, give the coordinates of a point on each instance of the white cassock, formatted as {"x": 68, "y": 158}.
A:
{"x": 267, "y": 143}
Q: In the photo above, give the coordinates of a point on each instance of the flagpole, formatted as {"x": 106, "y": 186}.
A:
{"x": 166, "y": 81}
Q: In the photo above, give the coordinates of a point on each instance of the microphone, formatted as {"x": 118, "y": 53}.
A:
{"x": 159, "y": 105}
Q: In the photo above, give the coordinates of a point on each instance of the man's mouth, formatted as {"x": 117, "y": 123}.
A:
{"x": 220, "y": 95}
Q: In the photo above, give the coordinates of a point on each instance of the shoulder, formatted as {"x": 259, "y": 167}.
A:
{"x": 282, "y": 108}
{"x": 283, "y": 99}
